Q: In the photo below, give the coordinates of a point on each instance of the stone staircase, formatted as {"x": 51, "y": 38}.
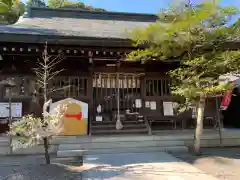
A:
{"x": 81, "y": 146}
{"x": 4, "y": 145}
{"x": 164, "y": 141}
{"x": 109, "y": 127}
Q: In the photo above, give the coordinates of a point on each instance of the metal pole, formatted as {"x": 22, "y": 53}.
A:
{"x": 10, "y": 118}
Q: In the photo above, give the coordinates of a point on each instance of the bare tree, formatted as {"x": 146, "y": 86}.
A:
{"x": 45, "y": 73}
{"x": 31, "y": 130}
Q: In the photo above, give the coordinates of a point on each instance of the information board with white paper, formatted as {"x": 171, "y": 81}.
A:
{"x": 168, "y": 108}
{"x": 16, "y": 109}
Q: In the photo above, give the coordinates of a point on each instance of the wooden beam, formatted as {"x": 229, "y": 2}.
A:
{"x": 71, "y": 51}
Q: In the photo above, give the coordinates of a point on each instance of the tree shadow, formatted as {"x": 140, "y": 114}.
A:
{"x": 217, "y": 154}
{"x": 222, "y": 163}
{"x": 44, "y": 172}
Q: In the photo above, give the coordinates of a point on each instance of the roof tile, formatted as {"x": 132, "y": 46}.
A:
{"x": 45, "y": 21}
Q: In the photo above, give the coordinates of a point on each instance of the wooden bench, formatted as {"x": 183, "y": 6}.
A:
{"x": 162, "y": 119}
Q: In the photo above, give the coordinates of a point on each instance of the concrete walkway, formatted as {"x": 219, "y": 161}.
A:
{"x": 140, "y": 166}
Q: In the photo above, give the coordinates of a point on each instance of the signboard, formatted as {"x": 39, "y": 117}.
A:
{"x": 153, "y": 105}
{"x": 138, "y": 103}
{"x": 16, "y": 109}
{"x": 75, "y": 119}
{"x": 98, "y": 118}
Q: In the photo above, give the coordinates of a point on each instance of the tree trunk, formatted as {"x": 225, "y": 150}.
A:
{"x": 199, "y": 126}
{"x": 46, "y": 145}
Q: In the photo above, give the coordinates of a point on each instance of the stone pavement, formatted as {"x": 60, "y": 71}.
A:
{"x": 140, "y": 166}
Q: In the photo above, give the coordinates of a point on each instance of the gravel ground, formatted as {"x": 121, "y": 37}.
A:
{"x": 37, "y": 172}
{"x": 33, "y": 168}
{"x": 223, "y": 163}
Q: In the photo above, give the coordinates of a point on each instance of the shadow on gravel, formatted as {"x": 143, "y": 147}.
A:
{"x": 39, "y": 172}
{"x": 222, "y": 163}
{"x": 216, "y": 153}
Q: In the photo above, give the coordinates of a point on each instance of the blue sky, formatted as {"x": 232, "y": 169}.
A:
{"x": 141, "y": 6}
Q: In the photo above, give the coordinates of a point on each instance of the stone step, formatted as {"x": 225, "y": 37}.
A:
{"x": 113, "y": 126}
{"x": 115, "y": 138}
{"x": 69, "y": 160}
{"x": 110, "y": 145}
{"x": 77, "y": 153}
{"x": 4, "y": 150}
{"x": 122, "y": 131}
{"x": 4, "y": 142}
{"x": 136, "y": 150}
{"x": 166, "y": 136}
{"x": 216, "y": 143}
{"x": 95, "y": 123}
{"x": 71, "y": 153}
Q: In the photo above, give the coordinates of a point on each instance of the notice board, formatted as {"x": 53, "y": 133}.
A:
{"x": 16, "y": 109}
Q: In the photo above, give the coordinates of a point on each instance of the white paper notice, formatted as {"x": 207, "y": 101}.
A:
{"x": 153, "y": 105}
{"x": 168, "y": 109}
{"x": 147, "y": 104}
{"x": 15, "y": 107}
{"x": 98, "y": 118}
{"x": 138, "y": 103}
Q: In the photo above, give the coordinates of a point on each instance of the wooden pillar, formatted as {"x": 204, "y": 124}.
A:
{"x": 118, "y": 92}
{"x": 143, "y": 97}
{"x": 143, "y": 92}
{"x": 90, "y": 96}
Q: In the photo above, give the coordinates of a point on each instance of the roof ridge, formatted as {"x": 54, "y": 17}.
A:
{"x": 80, "y": 13}
{"x": 90, "y": 11}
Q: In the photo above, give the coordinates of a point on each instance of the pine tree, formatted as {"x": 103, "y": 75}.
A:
{"x": 198, "y": 37}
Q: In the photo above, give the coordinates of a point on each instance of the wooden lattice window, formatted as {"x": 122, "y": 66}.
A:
{"x": 157, "y": 87}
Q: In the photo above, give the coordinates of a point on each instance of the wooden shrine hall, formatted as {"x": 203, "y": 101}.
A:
{"x": 94, "y": 46}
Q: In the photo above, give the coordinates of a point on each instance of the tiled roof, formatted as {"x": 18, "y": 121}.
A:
{"x": 71, "y": 22}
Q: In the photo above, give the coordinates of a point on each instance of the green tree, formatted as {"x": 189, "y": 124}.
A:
{"x": 196, "y": 35}
{"x": 22, "y": 8}
{"x": 70, "y": 4}
{"x": 10, "y": 11}
{"x": 36, "y": 3}
{"x": 6, "y": 5}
